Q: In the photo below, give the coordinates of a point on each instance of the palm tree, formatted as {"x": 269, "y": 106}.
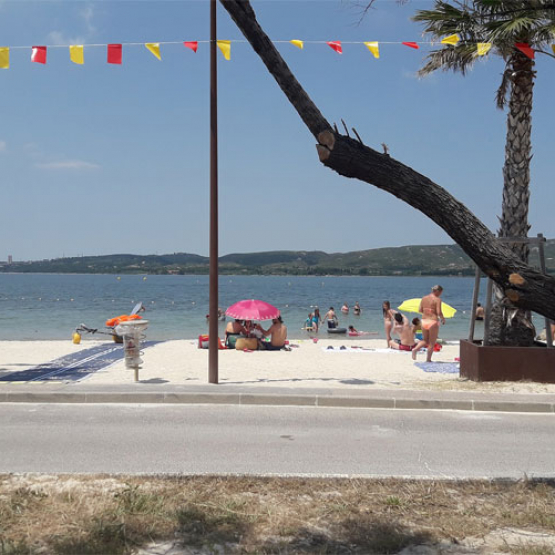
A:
{"x": 503, "y": 24}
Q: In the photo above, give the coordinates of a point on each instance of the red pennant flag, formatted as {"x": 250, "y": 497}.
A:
{"x": 525, "y": 49}
{"x": 412, "y": 45}
{"x": 192, "y": 45}
{"x": 38, "y": 54}
{"x": 336, "y": 45}
{"x": 114, "y": 53}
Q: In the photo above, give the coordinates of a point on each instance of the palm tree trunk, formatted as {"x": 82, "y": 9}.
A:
{"x": 510, "y": 326}
{"x": 518, "y": 147}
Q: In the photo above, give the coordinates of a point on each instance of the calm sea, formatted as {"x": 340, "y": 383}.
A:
{"x": 36, "y": 306}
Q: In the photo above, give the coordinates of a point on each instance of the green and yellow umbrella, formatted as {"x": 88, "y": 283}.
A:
{"x": 412, "y": 305}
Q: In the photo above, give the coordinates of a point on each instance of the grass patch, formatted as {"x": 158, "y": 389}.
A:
{"x": 65, "y": 515}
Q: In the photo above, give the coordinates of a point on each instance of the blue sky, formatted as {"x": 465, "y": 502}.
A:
{"x": 100, "y": 159}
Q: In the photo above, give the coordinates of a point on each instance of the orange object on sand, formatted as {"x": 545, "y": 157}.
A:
{"x": 113, "y": 322}
{"x": 203, "y": 342}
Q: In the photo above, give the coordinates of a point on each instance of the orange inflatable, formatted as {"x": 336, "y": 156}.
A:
{"x": 113, "y": 322}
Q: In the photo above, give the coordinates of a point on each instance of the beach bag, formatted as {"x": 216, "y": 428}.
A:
{"x": 249, "y": 343}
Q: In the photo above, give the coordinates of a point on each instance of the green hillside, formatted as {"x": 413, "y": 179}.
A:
{"x": 411, "y": 260}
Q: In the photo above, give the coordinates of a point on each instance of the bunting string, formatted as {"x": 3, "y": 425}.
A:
{"x": 114, "y": 51}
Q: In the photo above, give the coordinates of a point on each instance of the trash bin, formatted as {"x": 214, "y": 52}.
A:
{"x": 133, "y": 333}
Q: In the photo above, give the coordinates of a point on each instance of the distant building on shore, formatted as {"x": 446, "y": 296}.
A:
{"x": 10, "y": 260}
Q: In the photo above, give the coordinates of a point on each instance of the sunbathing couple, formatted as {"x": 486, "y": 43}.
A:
{"x": 430, "y": 308}
{"x": 247, "y": 328}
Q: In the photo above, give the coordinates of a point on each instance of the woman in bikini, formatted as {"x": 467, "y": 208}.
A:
{"x": 316, "y": 319}
{"x": 388, "y": 315}
{"x": 430, "y": 308}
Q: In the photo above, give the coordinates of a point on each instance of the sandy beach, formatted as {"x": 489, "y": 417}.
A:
{"x": 363, "y": 365}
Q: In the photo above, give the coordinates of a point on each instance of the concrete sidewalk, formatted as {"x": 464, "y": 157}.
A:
{"x": 142, "y": 392}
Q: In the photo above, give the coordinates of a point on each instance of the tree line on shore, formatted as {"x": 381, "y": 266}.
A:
{"x": 413, "y": 260}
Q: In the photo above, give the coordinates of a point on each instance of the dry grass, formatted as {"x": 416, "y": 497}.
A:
{"x": 105, "y": 515}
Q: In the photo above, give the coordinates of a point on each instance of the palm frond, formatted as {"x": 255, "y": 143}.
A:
{"x": 458, "y": 58}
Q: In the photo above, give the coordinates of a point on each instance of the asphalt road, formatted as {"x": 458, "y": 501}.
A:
{"x": 196, "y": 439}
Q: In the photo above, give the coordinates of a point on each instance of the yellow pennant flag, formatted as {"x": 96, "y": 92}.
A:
{"x": 483, "y": 48}
{"x": 451, "y": 39}
{"x": 297, "y": 43}
{"x": 4, "y": 57}
{"x": 225, "y": 47}
{"x": 374, "y": 47}
{"x": 154, "y": 47}
{"x": 77, "y": 54}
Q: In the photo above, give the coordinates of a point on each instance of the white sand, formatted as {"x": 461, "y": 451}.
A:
{"x": 308, "y": 365}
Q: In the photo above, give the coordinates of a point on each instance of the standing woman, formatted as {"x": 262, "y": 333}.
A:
{"x": 316, "y": 319}
{"x": 388, "y": 315}
{"x": 430, "y": 308}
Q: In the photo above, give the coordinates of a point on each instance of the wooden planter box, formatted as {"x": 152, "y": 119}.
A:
{"x": 506, "y": 364}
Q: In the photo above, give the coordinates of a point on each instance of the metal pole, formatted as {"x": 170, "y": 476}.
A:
{"x": 213, "y": 287}
{"x": 474, "y": 303}
{"x": 548, "y": 334}
{"x": 489, "y": 292}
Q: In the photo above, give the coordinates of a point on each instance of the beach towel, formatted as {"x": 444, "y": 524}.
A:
{"x": 441, "y": 367}
{"x": 359, "y": 350}
{"x": 74, "y": 366}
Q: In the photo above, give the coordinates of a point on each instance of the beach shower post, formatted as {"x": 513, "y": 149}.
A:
{"x": 133, "y": 333}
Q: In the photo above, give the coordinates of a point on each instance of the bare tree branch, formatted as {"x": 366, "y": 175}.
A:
{"x": 524, "y": 286}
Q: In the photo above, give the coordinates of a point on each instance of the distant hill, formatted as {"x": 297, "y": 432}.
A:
{"x": 413, "y": 260}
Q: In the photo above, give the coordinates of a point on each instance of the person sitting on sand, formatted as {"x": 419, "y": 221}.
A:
{"x": 356, "y": 309}
{"x": 278, "y": 336}
{"x": 405, "y": 330}
{"x": 234, "y": 329}
{"x": 388, "y": 314}
{"x": 253, "y": 330}
{"x": 331, "y": 317}
{"x": 480, "y": 312}
{"x": 430, "y": 308}
{"x": 345, "y": 308}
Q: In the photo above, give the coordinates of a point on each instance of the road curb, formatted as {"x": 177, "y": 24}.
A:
{"x": 272, "y": 399}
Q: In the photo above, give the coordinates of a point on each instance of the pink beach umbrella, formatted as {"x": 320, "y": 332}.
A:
{"x": 251, "y": 309}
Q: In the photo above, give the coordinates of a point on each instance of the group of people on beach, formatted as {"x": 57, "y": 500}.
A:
{"x": 397, "y": 323}
{"x": 277, "y": 333}
{"x": 314, "y": 321}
